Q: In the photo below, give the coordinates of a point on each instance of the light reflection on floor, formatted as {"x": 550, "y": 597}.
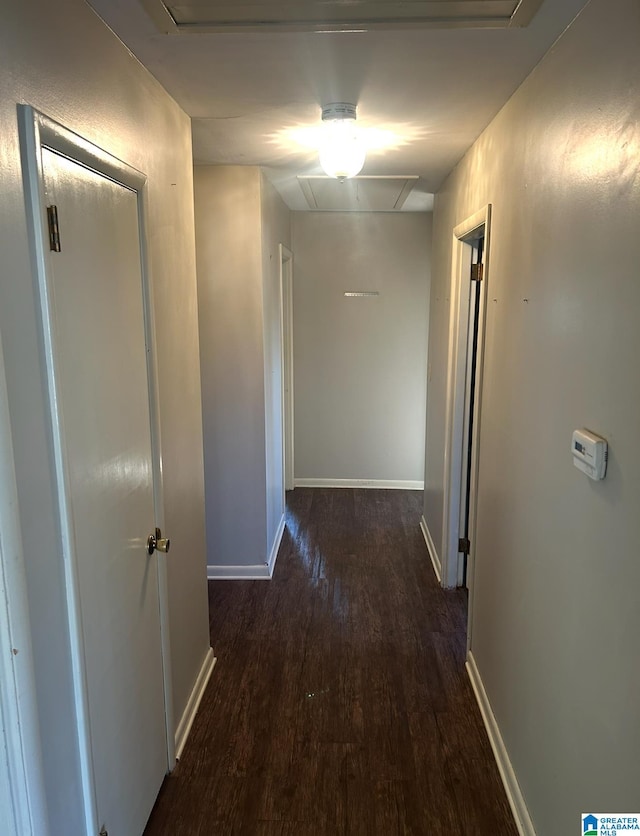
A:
{"x": 317, "y": 568}
{"x": 309, "y": 554}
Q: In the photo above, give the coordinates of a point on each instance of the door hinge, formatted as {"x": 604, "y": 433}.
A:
{"x": 477, "y": 272}
{"x": 464, "y": 546}
{"x": 54, "y": 232}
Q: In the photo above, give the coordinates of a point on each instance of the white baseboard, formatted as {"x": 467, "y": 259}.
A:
{"x": 189, "y": 713}
{"x": 433, "y": 554}
{"x": 512, "y": 788}
{"x": 273, "y": 554}
{"x": 252, "y": 572}
{"x": 359, "y": 483}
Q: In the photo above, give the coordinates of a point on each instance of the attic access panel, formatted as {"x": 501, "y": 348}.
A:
{"x": 200, "y": 16}
{"x": 365, "y": 193}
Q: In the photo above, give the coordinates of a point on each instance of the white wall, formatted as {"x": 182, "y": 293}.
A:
{"x": 65, "y": 62}
{"x": 228, "y": 247}
{"x": 555, "y": 614}
{"x": 360, "y": 363}
{"x": 239, "y": 223}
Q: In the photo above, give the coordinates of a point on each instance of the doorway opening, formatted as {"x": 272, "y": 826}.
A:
{"x": 470, "y": 274}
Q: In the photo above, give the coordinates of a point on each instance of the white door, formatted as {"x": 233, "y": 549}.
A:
{"x": 100, "y": 362}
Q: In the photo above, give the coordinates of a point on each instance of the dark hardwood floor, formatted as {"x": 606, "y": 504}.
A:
{"x": 339, "y": 703}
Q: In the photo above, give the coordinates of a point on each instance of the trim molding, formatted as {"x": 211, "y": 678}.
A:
{"x": 512, "y": 788}
{"x": 465, "y": 235}
{"x": 251, "y": 572}
{"x": 433, "y": 554}
{"x": 360, "y": 483}
{"x": 193, "y": 703}
{"x": 273, "y": 554}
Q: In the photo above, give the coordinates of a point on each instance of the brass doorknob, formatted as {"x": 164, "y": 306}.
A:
{"x": 156, "y": 542}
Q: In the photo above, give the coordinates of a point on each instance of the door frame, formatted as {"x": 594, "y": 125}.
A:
{"x": 37, "y": 132}
{"x": 286, "y": 336}
{"x": 475, "y": 289}
{"x": 464, "y": 236}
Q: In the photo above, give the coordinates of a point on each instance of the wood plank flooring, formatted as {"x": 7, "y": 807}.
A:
{"x": 339, "y": 705}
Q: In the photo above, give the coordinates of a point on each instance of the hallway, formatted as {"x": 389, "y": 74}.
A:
{"x": 339, "y": 703}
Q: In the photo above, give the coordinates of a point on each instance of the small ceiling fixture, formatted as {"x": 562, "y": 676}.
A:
{"x": 342, "y": 151}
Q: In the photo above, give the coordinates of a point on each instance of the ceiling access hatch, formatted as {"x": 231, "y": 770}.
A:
{"x": 202, "y": 16}
{"x": 381, "y": 193}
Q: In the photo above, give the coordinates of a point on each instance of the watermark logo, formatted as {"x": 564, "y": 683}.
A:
{"x": 610, "y": 824}
{"x": 590, "y": 825}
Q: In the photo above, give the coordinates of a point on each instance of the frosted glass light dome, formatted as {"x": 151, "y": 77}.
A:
{"x": 342, "y": 153}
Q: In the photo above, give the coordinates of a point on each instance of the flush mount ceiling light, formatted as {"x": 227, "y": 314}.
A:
{"x": 342, "y": 150}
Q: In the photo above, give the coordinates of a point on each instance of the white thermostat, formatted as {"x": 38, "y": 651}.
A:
{"x": 590, "y": 453}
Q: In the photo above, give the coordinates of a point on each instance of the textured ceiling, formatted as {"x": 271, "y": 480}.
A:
{"x": 250, "y": 95}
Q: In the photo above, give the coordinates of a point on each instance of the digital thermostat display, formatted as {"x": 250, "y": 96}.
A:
{"x": 590, "y": 453}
